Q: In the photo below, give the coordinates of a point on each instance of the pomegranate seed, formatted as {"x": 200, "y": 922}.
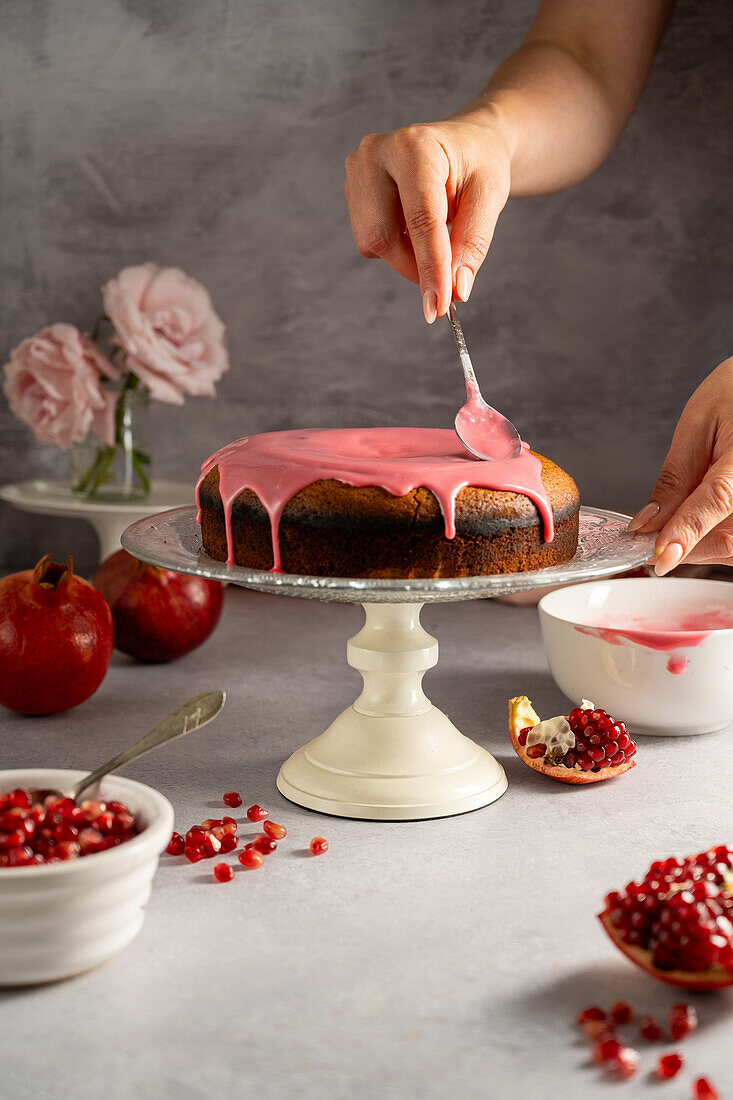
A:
{"x": 211, "y": 845}
{"x": 256, "y": 813}
{"x": 229, "y": 842}
{"x": 318, "y": 845}
{"x": 669, "y": 1065}
{"x": 193, "y": 855}
{"x": 176, "y": 845}
{"x": 90, "y": 840}
{"x": 250, "y": 859}
{"x": 523, "y": 735}
{"x": 605, "y": 1051}
{"x": 67, "y": 849}
{"x": 703, "y": 1090}
{"x": 649, "y": 1029}
{"x": 264, "y": 844}
{"x": 231, "y": 798}
{"x": 536, "y": 751}
{"x": 621, "y": 1013}
{"x": 627, "y": 1061}
{"x": 682, "y": 1020}
{"x": 277, "y": 832}
{"x": 210, "y": 823}
{"x": 223, "y": 872}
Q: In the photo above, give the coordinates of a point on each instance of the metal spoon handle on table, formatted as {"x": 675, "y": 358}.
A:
{"x": 460, "y": 339}
{"x": 184, "y": 719}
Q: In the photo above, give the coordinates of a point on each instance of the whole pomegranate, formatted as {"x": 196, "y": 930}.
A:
{"x": 55, "y": 639}
{"x": 158, "y": 615}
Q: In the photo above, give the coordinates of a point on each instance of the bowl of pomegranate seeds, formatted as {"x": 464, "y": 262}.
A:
{"x": 654, "y": 652}
{"x": 74, "y": 878}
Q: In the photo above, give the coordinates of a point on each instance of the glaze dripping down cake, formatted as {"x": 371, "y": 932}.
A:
{"x": 383, "y": 502}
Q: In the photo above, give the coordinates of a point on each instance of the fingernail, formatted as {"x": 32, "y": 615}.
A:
{"x": 648, "y": 512}
{"x": 464, "y": 283}
{"x": 669, "y": 558}
{"x": 430, "y": 305}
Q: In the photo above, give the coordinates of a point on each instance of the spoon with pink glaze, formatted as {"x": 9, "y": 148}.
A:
{"x": 482, "y": 430}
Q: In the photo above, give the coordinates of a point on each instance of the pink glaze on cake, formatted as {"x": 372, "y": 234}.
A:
{"x": 277, "y": 465}
{"x": 685, "y": 632}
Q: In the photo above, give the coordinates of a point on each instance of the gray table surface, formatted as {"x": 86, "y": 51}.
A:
{"x": 415, "y": 960}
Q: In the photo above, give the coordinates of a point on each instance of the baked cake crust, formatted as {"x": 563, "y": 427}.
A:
{"x": 330, "y": 529}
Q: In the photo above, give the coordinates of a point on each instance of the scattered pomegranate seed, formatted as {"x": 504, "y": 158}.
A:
{"x": 264, "y": 844}
{"x": 277, "y": 832}
{"x": 256, "y": 813}
{"x": 250, "y": 859}
{"x": 627, "y": 1061}
{"x": 621, "y": 1013}
{"x": 176, "y": 845}
{"x": 669, "y": 1065}
{"x": 649, "y": 1029}
{"x": 231, "y": 798}
{"x": 229, "y": 842}
{"x": 682, "y": 1020}
{"x": 223, "y": 872}
{"x": 703, "y": 1090}
{"x": 211, "y": 823}
{"x": 592, "y": 1013}
{"x": 606, "y": 1051}
{"x": 193, "y": 855}
{"x": 318, "y": 845}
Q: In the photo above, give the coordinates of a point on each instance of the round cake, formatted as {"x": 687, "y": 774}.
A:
{"x": 383, "y": 502}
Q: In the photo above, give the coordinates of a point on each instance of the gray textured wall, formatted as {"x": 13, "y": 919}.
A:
{"x": 211, "y": 134}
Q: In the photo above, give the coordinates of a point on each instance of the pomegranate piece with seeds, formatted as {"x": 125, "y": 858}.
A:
{"x": 256, "y": 813}
{"x": 586, "y": 747}
{"x": 677, "y": 923}
{"x": 231, "y": 798}
{"x": 54, "y": 829}
{"x": 318, "y": 845}
{"x": 669, "y": 1065}
{"x": 223, "y": 872}
{"x": 703, "y": 1090}
{"x": 250, "y": 859}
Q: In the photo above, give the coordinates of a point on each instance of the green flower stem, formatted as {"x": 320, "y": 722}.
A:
{"x": 96, "y": 475}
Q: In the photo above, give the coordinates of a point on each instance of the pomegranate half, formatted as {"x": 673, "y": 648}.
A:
{"x": 55, "y": 639}
{"x": 677, "y": 923}
{"x": 586, "y": 747}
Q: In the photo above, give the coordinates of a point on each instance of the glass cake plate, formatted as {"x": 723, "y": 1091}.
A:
{"x": 391, "y": 755}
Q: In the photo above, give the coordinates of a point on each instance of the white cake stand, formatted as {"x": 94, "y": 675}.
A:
{"x": 391, "y": 755}
{"x": 109, "y": 519}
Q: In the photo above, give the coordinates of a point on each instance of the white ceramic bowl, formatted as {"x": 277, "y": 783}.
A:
{"x": 64, "y": 918}
{"x": 684, "y": 687}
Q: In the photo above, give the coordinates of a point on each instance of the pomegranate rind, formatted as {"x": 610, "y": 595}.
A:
{"x": 521, "y": 715}
{"x": 714, "y": 978}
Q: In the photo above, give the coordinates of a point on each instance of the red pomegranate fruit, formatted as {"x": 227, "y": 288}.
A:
{"x": 677, "y": 923}
{"x": 55, "y": 639}
{"x": 158, "y": 615}
{"x": 585, "y": 747}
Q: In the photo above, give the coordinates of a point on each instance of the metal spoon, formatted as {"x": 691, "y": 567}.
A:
{"x": 188, "y": 717}
{"x": 482, "y": 430}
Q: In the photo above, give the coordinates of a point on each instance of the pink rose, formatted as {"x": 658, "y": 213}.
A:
{"x": 166, "y": 325}
{"x": 53, "y": 383}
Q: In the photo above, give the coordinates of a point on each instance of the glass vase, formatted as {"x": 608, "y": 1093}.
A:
{"x": 122, "y": 472}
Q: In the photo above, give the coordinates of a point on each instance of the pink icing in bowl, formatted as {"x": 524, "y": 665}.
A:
{"x": 657, "y": 653}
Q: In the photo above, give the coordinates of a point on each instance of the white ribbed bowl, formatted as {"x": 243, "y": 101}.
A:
{"x": 64, "y": 918}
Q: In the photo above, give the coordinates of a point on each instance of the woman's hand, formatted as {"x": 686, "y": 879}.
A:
{"x": 407, "y": 188}
{"x": 692, "y": 503}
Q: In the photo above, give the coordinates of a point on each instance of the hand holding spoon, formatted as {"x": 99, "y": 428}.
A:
{"x": 482, "y": 430}
{"x": 184, "y": 719}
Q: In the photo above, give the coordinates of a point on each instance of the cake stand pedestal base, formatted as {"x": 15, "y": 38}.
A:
{"x": 392, "y": 755}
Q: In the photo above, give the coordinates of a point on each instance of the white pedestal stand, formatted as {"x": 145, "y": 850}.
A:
{"x": 391, "y": 755}
{"x": 109, "y": 520}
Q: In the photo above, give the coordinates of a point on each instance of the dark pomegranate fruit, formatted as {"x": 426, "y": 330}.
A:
{"x": 318, "y": 845}
{"x": 586, "y": 747}
{"x": 55, "y": 639}
{"x": 677, "y": 923}
{"x": 56, "y": 829}
{"x": 158, "y": 615}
